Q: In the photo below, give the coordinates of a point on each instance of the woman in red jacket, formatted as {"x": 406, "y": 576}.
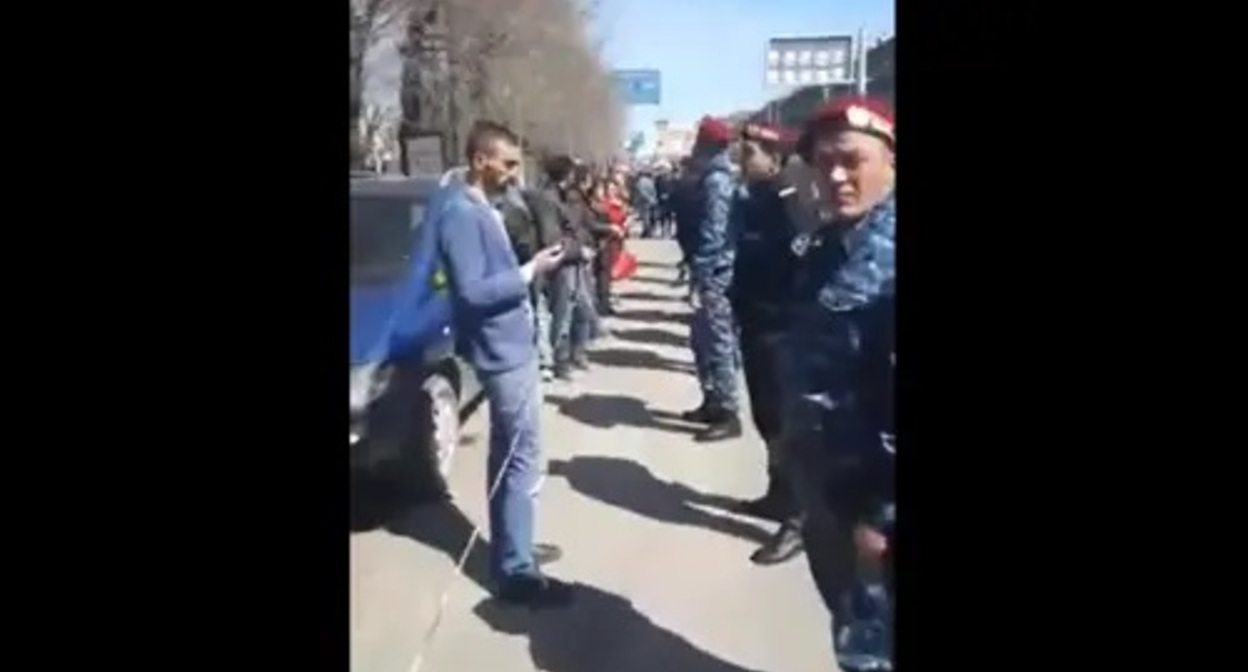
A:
{"x": 617, "y": 215}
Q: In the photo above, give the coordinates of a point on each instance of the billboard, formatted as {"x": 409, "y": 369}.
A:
{"x": 810, "y": 61}
{"x": 637, "y": 87}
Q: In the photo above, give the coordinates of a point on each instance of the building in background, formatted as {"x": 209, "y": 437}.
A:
{"x": 793, "y": 109}
{"x": 881, "y": 69}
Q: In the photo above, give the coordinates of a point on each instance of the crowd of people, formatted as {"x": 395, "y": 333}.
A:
{"x": 788, "y": 249}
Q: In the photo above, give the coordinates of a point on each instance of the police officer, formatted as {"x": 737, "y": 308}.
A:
{"x": 841, "y": 342}
{"x": 712, "y": 330}
{"x": 768, "y": 214}
{"x": 813, "y": 249}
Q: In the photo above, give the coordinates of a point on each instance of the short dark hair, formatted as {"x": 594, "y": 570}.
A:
{"x": 483, "y": 135}
{"x": 582, "y": 174}
{"x": 559, "y": 168}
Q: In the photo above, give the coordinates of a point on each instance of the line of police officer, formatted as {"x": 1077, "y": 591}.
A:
{"x": 793, "y": 278}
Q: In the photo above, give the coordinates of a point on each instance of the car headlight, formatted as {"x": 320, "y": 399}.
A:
{"x": 368, "y": 382}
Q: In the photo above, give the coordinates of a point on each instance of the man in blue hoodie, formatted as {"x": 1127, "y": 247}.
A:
{"x": 494, "y": 331}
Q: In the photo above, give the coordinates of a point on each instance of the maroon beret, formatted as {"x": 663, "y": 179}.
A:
{"x": 855, "y": 113}
{"x": 711, "y": 129}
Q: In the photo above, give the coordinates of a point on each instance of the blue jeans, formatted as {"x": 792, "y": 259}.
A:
{"x": 541, "y": 326}
{"x": 515, "y": 410}
{"x": 574, "y": 319}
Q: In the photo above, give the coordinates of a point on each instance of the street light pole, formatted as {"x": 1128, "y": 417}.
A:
{"x": 861, "y": 74}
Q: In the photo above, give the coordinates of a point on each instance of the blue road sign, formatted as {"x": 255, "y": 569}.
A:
{"x": 638, "y": 87}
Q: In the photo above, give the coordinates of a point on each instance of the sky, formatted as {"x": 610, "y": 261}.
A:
{"x": 711, "y": 53}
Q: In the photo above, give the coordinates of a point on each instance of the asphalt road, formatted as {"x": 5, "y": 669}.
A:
{"x": 636, "y": 506}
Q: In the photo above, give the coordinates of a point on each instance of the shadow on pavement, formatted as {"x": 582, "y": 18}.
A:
{"x": 444, "y": 527}
{"x": 654, "y": 264}
{"x": 601, "y": 632}
{"x": 440, "y": 525}
{"x": 647, "y": 296}
{"x": 651, "y": 279}
{"x": 606, "y": 411}
{"x": 375, "y": 500}
{"x": 652, "y": 336}
{"x": 652, "y": 315}
{"x": 630, "y": 486}
{"x": 629, "y": 358}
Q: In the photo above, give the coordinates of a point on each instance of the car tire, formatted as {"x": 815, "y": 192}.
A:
{"x": 431, "y": 451}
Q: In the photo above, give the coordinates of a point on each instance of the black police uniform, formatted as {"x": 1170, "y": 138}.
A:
{"x": 684, "y": 207}
{"x": 762, "y": 284}
{"x": 812, "y": 247}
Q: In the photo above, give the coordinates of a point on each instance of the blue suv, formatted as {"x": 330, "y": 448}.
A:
{"x": 409, "y": 391}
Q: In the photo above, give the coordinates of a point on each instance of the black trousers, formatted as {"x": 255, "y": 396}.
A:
{"x": 760, "y": 352}
{"x": 602, "y": 279}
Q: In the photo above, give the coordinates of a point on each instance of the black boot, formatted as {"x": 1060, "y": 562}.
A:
{"x": 702, "y": 414}
{"x": 783, "y": 546}
{"x": 721, "y": 425}
{"x": 535, "y": 591}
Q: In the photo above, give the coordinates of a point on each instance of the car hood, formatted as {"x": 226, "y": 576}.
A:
{"x": 386, "y": 315}
{"x": 373, "y": 310}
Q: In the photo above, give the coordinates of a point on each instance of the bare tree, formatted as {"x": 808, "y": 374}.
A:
{"x": 370, "y": 22}
{"x": 528, "y": 63}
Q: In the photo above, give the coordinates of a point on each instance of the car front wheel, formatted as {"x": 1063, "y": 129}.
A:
{"x": 437, "y": 435}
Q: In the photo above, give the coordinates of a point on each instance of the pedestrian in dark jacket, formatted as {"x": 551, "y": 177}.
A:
{"x": 574, "y": 318}
{"x": 532, "y": 226}
{"x": 663, "y": 188}
{"x": 528, "y": 231}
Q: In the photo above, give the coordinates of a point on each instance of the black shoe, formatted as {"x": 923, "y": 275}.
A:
{"x": 783, "y": 546}
{"x": 580, "y": 363}
{"x": 536, "y": 592}
{"x": 722, "y": 425}
{"x": 701, "y": 414}
{"x": 546, "y": 554}
{"x": 563, "y": 372}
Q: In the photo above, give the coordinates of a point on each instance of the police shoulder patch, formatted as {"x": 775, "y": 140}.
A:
{"x": 801, "y": 243}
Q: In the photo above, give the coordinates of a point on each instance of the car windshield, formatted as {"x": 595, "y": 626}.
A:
{"x": 381, "y": 236}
